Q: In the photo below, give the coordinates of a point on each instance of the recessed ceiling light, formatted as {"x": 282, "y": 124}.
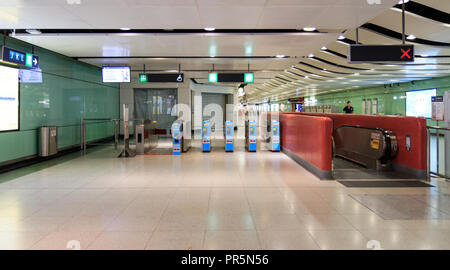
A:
{"x": 402, "y": 1}
{"x": 125, "y": 28}
{"x": 280, "y": 56}
{"x": 341, "y": 37}
{"x": 356, "y": 74}
{"x": 306, "y": 77}
{"x": 309, "y": 29}
{"x": 411, "y": 37}
{"x": 324, "y": 48}
{"x": 209, "y": 28}
{"x": 424, "y": 55}
{"x": 33, "y": 31}
{"x": 311, "y": 55}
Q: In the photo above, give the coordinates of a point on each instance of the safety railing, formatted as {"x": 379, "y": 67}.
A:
{"x": 84, "y": 125}
{"x": 437, "y": 158}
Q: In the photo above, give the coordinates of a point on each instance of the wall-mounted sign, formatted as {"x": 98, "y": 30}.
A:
{"x": 297, "y": 100}
{"x": 161, "y": 78}
{"x": 214, "y": 77}
{"x": 437, "y": 108}
{"x": 9, "y": 99}
{"x": 118, "y": 74}
{"x": 380, "y": 53}
{"x": 19, "y": 58}
{"x": 30, "y": 75}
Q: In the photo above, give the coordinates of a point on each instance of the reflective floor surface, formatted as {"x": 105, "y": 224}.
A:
{"x": 214, "y": 200}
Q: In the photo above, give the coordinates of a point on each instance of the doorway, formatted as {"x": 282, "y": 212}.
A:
{"x": 156, "y": 104}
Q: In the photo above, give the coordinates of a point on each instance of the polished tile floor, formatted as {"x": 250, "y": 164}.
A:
{"x": 211, "y": 200}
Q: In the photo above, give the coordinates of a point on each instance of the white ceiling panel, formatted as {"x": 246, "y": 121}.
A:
{"x": 186, "y": 14}
{"x": 184, "y": 45}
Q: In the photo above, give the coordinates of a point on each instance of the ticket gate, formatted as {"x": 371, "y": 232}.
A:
{"x": 146, "y": 137}
{"x": 274, "y": 136}
{"x": 229, "y": 130}
{"x": 206, "y": 136}
{"x": 250, "y": 136}
{"x": 177, "y": 137}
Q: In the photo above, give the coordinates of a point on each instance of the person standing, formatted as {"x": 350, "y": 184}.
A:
{"x": 348, "y": 108}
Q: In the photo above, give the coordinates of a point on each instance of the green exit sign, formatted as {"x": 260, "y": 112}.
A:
{"x": 143, "y": 78}
{"x": 213, "y": 77}
{"x": 29, "y": 60}
{"x": 249, "y": 77}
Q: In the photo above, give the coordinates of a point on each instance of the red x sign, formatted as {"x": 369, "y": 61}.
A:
{"x": 405, "y": 53}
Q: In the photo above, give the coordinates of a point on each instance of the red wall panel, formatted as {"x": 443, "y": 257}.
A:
{"x": 400, "y": 125}
{"x": 309, "y": 138}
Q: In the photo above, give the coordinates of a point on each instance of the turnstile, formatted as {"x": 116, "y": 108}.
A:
{"x": 374, "y": 148}
{"x": 206, "y": 136}
{"x": 177, "y": 137}
{"x": 274, "y": 136}
{"x": 229, "y": 132}
{"x": 146, "y": 137}
{"x": 250, "y": 136}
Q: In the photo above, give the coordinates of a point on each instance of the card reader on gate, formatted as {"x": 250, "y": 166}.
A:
{"x": 229, "y": 130}
{"x": 206, "y": 138}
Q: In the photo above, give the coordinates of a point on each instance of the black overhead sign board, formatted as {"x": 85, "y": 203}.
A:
{"x": 230, "y": 77}
{"x": 18, "y": 57}
{"x": 161, "y": 78}
{"x": 380, "y": 53}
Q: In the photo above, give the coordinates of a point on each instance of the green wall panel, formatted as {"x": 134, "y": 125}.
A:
{"x": 70, "y": 90}
{"x": 391, "y": 100}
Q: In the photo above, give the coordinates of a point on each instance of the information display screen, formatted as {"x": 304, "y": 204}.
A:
{"x": 418, "y": 102}
{"x": 9, "y": 99}
{"x": 116, "y": 74}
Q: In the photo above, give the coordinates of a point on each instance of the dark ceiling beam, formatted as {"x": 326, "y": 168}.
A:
{"x": 425, "y": 11}
{"x": 56, "y": 31}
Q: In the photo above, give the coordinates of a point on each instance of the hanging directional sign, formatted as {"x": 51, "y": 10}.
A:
{"x": 380, "y": 53}
{"x": 161, "y": 78}
{"x": 19, "y": 58}
{"x": 231, "y": 77}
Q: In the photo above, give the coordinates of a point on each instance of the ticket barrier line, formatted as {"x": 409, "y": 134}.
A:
{"x": 430, "y": 172}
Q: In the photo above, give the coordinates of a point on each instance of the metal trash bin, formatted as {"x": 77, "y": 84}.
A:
{"x": 48, "y": 141}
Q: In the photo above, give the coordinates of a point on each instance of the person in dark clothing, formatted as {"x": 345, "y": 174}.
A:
{"x": 348, "y": 108}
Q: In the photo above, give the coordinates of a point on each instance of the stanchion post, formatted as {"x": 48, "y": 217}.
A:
{"x": 84, "y": 136}
{"x": 437, "y": 147}
{"x": 81, "y": 134}
{"x": 116, "y": 134}
{"x": 428, "y": 154}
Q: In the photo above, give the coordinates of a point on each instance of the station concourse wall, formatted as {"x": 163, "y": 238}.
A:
{"x": 70, "y": 90}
